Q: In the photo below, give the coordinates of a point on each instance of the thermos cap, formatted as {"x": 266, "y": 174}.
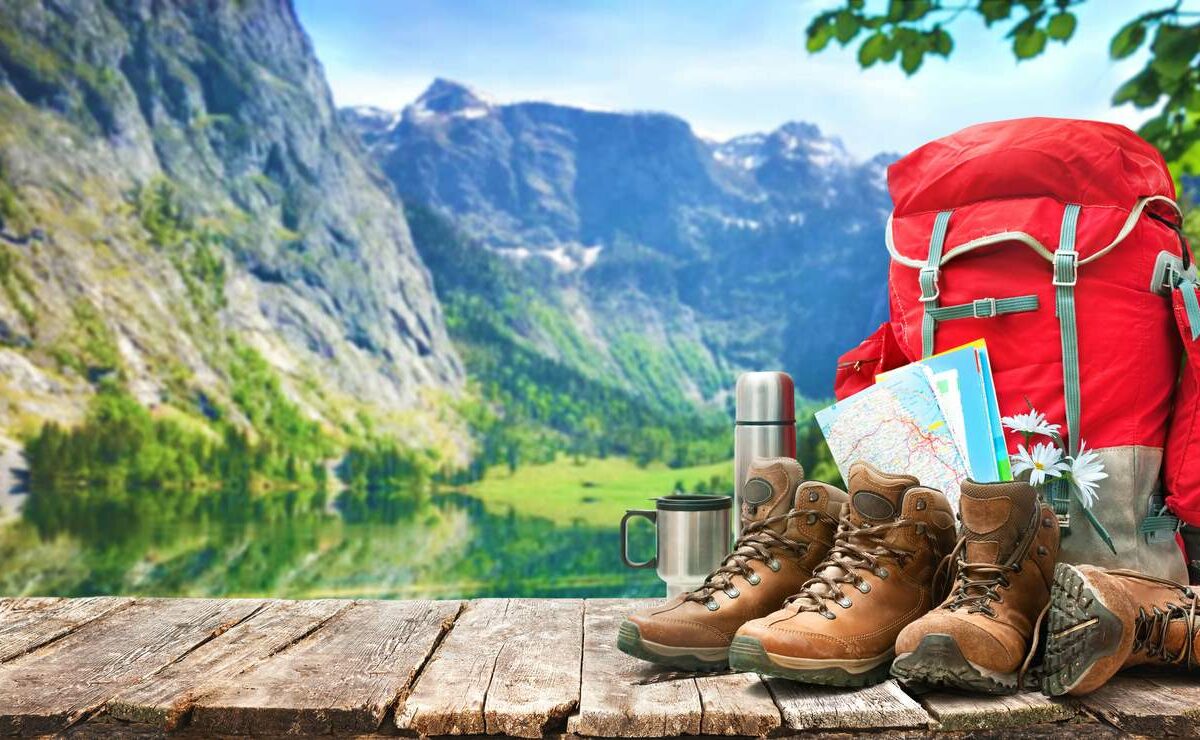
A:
{"x": 765, "y": 398}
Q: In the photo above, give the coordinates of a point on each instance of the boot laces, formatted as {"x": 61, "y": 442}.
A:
{"x": 977, "y": 587}
{"x": 757, "y": 542}
{"x": 854, "y": 548}
{"x": 1151, "y": 627}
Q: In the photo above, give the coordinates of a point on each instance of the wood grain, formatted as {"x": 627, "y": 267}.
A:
{"x": 883, "y": 706}
{"x": 535, "y": 684}
{"x": 737, "y": 704}
{"x": 165, "y": 699}
{"x": 49, "y": 689}
{"x": 449, "y": 696}
{"x": 27, "y": 624}
{"x": 978, "y": 712}
{"x": 611, "y": 702}
{"x": 341, "y": 678}
{"x": 1147, "y": 704}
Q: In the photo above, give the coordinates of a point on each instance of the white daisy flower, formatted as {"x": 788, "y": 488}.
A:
{"x": 1086, "y": 471}
{"x": 1045, "y": 460}
{"x": 1033, "y": 422}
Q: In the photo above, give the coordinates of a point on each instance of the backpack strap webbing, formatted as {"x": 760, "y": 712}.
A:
{"x": 985, "y": 308}
{"x": 928, "y": 277}
{"x": 1066, "y": 275}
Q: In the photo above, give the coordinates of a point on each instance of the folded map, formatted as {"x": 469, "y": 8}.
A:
{"x": 898, "y": 426}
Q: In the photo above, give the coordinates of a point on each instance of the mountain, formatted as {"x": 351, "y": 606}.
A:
{"x": 665, "y": 262}
{"x": 178, "y": 198}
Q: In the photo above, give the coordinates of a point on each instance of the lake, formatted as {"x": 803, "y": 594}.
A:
{"x": 448, "y": 546}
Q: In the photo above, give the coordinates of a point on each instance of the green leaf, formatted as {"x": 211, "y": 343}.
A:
{"x": 1127, "y": 40}
{"x": 858, "y": 4}
{"x": 1061, "y": 26}
{"x": 845, "y": 26}
{"x": 910, "y": 59}
{"x": 915, "y": 10}
{"x": 1174, "y": 48}
{"x": 1142, "y": 90}
{"x": 1029, "y": 45}
{"x": 940, "y": 42}
{"x": 896, "y": 10}
{"x": 819, "y": 35}
{"x": 872, "y": 49}
{"x": 995, "y": 10}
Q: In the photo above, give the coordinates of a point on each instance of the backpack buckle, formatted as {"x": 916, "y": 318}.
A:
{"x": 928, "y": 277}
{"x": 1066, "y": 268}
{"x": 983, "y": 308}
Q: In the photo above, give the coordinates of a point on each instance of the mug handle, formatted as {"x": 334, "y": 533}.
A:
{"x": 648, "y": 514}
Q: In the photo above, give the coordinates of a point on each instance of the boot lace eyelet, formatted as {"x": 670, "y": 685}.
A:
{"x": 774, "y": 565}
{"x": 712, "y": 605}
{"x": 753, "y": 579}
{"x": 811, "y": 519}
{"x": 844, "y": 602}
{"x": 828, "y": 614}
{"x": 863, "y": 587}
{"x": 882, "y": 573}
{"x": 732, "y": 592}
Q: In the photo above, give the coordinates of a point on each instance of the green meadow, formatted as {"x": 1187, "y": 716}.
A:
{"x": 590, "y": 490}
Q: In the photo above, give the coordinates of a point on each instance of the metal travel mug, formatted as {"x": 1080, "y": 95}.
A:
{"x": 765, "y": 426}
{"x": 693, "y": 533}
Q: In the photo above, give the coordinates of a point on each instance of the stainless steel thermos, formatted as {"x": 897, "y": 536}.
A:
{"x": 693, "y": 533}
{"x": 765, "y": 426}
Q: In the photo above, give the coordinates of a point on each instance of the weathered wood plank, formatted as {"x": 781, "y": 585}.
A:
{"x": 341, "y": 678}
{"x": 47, "y": 690}
{"x": 1151, "y": 705}
{"x": 537, "y": 676}
{"x": 449, "y": 696}
{"x": 883, "y": 706}
{"x": 737, "y": 704}
{"x": 164, "y": 700}
{"x": 611, "y": 702}
{"x": 27, "y": 624}
{"x": 971, "y": 712}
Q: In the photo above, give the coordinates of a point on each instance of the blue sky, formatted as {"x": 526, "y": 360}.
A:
{"x": 725, "y": 66}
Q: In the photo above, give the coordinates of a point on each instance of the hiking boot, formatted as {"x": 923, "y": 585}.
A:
{"x": 1104, "y": 621}
{"x": 784, "y": 535}
{"x": 980, "y": 637}
{"x": 840, "y": 628}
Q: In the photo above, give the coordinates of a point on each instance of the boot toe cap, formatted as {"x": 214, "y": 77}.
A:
{"x": 671, "y": 625}
{"x": 987, "y": 644}
{"x": 794, "y": 634}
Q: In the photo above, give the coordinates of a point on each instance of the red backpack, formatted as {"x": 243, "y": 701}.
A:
{"x": 1059, "y": 243}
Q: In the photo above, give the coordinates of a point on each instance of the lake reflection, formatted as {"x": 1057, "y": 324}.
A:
{"x": 296, "y": 545}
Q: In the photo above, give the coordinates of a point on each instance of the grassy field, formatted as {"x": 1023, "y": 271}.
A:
{"x": 595, "y": 491}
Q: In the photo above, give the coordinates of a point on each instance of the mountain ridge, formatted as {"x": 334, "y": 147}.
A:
{"x": 635, "y": 215}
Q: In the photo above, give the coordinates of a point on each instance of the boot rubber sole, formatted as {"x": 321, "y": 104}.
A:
{"x": 748, "y": 654}
{"x": 939, "y": 663}
{"x": 630, "y": 642}
{"x": 1081, "y": 631}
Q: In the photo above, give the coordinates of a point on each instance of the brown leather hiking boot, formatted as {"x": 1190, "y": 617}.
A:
{"x": 840, "y": 627}
{"x": 783, "y": 537}
{"x": 1104, "y": 621}
{"x": 980, "y": 637}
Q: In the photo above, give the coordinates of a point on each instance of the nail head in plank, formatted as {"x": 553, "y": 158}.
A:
{"x": 341, "y": 678}
{"x": 47, "y": 690}
{"x": 737, "y": 704}
{"x": 982, "y": 712}
{"x": 166, "y": 698}
{"x": 1153, "y": 705}
{"x": 536, "y": 680}
{"x": 882, "y": 706}
{"x": 611, "y": 702}
{"x": 448, "y": 697}
{"x": 27, "y": 624}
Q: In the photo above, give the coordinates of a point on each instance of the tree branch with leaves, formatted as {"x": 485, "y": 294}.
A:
{"x": 909, "y": 30}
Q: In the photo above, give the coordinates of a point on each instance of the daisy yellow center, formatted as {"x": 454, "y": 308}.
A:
{"x": 1039, "y": 465}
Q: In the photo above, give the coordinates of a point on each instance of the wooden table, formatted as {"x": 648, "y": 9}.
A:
{"x": 521, "y": 667}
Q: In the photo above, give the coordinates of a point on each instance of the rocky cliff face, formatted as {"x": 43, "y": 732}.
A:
{"x": 680, "y": 261}
{"x": 175, "y": 183}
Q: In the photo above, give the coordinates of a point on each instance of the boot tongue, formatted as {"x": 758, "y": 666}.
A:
{"x": 770, "y": 489}
{"x": 876, "y": 497}
{"x": 995, "y": 519}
